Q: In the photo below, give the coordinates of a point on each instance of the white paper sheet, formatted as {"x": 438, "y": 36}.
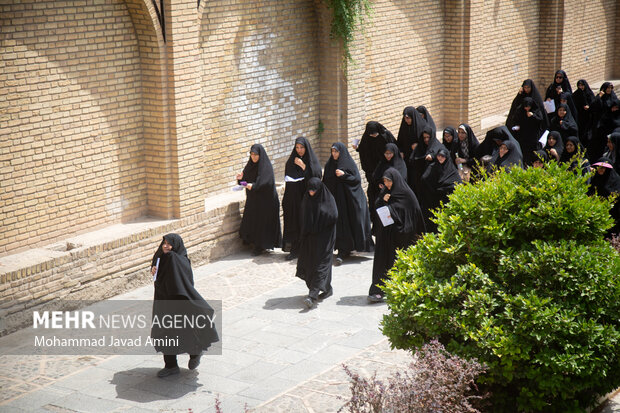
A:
{"x": 385, "y": 216}
{"x": 543, "y": 138}
{"x": 289, "y": 179}
{"x": 156, "y": 269}
{"x": 549, "y": 105}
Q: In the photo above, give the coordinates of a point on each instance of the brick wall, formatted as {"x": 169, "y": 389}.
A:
{"x": 70, "y": 115}
{"x": 398, "y": 63}
{"x": 102, "y": 121}
{"x": 588, "y": 47}
{"x": 260, "y": 83}
{"x": 503, "y": 48}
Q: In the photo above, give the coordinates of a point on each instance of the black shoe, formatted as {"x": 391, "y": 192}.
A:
{"x": 290, "y": 257}
{"x": 309, "y": 301}
{"x": 375, "y": 298}
{"x": 338, "y": 261}
{"x": 257, "y": 251}
{"x": 326, "y": 294}
{"x": 194, "y": 361}
{"x": 165, "y": 372}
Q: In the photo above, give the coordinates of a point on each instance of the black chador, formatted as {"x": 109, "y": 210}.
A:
{"x": 408, "y": 226}
{"x": 563, "y": 122}
{"x": 528, "y": 89}
{"x": 260, "y": 224}
{"x": 606, "y": 182}
{"x": 318, "y": 236}
{"x": 343, "y": 180}
{"x": 439, "y": 180}
{"x": 175, "y": 294}
{"x": 528, "y": 128}
{"x": 410, "y": 130}
{"x": 371, "y": 149}
{"x": 301, "y": 165}
{"x": 583, "y": 97}
{"x": 508, "y": 155}
{"x": 428, "y": 119}
{"x": 421, "y": 157}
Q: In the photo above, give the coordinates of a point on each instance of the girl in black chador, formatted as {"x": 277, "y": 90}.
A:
{"x": 407, "y": 227}
{"x": 605, "y": 183}
{"x": 371, "y": 148}
{"x": 439, "y": 179}
{"x": 583, "y": 98}
{"x": 175, "y": 293}
{"x": 319, "y": 215}
{"x": 343, "y": 180}
{"x": 564, "y": 123}
{"x": 260, "y": 224}
{"x": 409, "y": 132}
{"x": 528, "y": 89}
{"x": 301, "y": 165}
{"x": 528, "y": 128}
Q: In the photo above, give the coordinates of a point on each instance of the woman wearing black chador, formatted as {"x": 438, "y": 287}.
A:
{"x": 343, "y": 180}
{"x": 175, "y": 294}
{"x": 319, "y": 215}
{"x": 260, "y": 224}
{"x": 301, "y": 165}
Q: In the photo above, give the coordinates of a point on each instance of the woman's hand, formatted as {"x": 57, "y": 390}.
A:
{"x": 339, "y": 172}
{"x": 239, "y": 176}
{"x": 153, "y": 270}
{"x": 428, "y": 158}
{"x": 249, "y": 186}
{"x": 530, "y": 114}
{"x": 386, "y": 197}
{"x": 300, "y": 163}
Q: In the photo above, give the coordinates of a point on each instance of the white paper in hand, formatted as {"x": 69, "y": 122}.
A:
{"x": 156, "y": 269}
{"x": 385, "y": 216}
{"x": 543, "y": 139}
{"x": 289, "y": 179}
{"x": 549, "y": 105}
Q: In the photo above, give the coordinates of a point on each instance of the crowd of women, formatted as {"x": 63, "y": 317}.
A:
{"x": 408, "y": 176}
{"x": 326, "y": 209}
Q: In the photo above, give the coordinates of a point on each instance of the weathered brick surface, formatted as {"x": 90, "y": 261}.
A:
{"x": 260, "y": 83}
{"x": 102, "y": 121}
{"x": 71, "y": 122}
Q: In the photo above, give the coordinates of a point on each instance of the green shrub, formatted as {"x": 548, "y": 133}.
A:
{"x": 521, "y": 278}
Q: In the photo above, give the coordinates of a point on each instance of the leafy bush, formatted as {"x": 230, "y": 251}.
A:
{"x": 521, "y": 278}
{"x": 434, "y": 382}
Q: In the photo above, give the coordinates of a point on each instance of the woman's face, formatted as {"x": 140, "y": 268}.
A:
{"x": 527, "y": 89}
{"x": 462, "y": 134}
{"x": 408, "y": 120}
{"x": 537, "y": 163}
{"x": 166, "y": 247}
{"x": 388, "y": 183}
{"x": 610, "y": 144}
{"x": 561, "y": 112}
{"x": 441, "y": 159}
{"x": 609, "y": 89}
{"x": 581, "y": 86}
{"x": 335, "y": 154}
{"x": 551, "y": 141}
{"x": 254, "y": 156}
{"x": 559, "y": 78}
{"x": 426, "y": 137}
{"x": 503, "y": 150}
{"x": 388, "y": 155}
{"x": 600, "y": 170}
{"x": 570, "y": 147}
{"x": 527, "y": 108}
{"x": 300, "y": 149}
{"x": 447, "y": 137}
{"x": 311, "y": 192}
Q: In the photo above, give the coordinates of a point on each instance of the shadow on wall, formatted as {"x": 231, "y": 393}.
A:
{"x": 85, "y": 89}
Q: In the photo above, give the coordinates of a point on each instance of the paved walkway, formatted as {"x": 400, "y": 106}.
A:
{"x": 277, "y": 356}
